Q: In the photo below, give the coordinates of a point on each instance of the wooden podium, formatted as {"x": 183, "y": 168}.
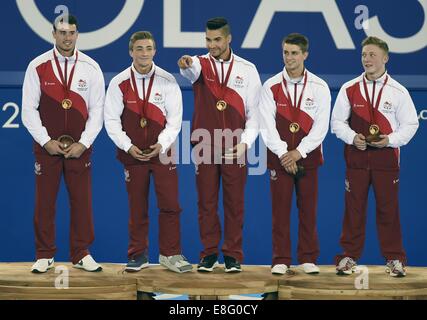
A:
{"x": 65, "y": 282}
{"x": 216, "y": 285}
{"x": 368, "y": 283}
{"x": 17, "y": 282}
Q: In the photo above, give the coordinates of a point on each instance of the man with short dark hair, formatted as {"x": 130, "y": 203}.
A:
{"x": 62, "y": 100}
{"x": 226, "y": 89}
{"x": 294, "y": 111}
{"x": 143, "y": 115}
{"x": 374, "y": 115}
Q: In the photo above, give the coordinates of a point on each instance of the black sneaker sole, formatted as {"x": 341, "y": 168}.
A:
{"x": 38, "y": 272}
{"x": 96, "y": 270}
{"x": 341, "y": 273}
{"x": 132, "y": 270}
{"x": 399, "y": 276}
{"x": 205, "y": 269}
{"x": 99, "y": 269}
{"x": 136, "y": 269}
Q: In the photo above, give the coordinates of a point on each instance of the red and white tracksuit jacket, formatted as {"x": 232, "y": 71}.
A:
{"x": 45, "y": 119}
{"x": 241, "y": 94}
{"x": 397, "y": 118}
{"x": 122, "y": 121}
{"x": 277, "y": 112}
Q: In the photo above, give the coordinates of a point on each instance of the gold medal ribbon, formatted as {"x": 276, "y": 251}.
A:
{"x": 66, "y": 84}
{"x": 221, "y": 105}
{"x": 295, "y": 107}
{"x": 145, "y": 98}
{"x": 372, "y": 106}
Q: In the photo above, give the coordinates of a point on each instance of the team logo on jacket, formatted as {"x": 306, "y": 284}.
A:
{"x": 47, "y": 83}
{"x": 358, "y": 105}
{"x": 309, "y": 102}
{"x": 387, "y": 105}
{"x": 278, "y": 104}
{"x": 158, "y": 97}
{"x": 239, "y": 82}
{"x": 127, "y": 176}
{"x": 82, "y": 85}
{"x": 37, "y": 169}
{"x": 347, "y": 185}
{"x": 273, "y": 175}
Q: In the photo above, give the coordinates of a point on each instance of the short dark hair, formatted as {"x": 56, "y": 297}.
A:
{"x": 376, "y": 41}
{"x": 297, "y": 39}
{"x": 64, "y": 18}
{"x": 218, "y": 23}
{"x": 141, "y": 35}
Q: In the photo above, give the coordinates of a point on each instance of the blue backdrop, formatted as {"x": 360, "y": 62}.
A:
{"x": 332, "y": 54}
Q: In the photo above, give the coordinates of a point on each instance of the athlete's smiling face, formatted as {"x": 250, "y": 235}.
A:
{"x": 65, "y": 37}
{"x": 142, "y": 53}
{"x": 218, "y": 43}
{"x": 294, "y": 58}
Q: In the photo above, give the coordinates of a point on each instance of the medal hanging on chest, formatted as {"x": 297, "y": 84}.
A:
{"x": 66, "y": 140}
{"x": 221, "y": 104}
{"x": 295, "y": 107}
{"x": 143, "y": 103}
{"x": 374, "y": 128}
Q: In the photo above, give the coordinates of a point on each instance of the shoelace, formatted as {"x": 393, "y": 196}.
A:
{"x": 178, "y": 260}
{"x": 203, "y": 260}
{"x": 396, "y": 266}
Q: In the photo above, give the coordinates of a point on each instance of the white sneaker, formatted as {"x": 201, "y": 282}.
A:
{"x": 88, "y": 264}
{"x": 176, "y": 263}
{"x": 309, "y": 268}
{"x": 279, "y": 269}
{"x": 42, "y": 265}
{"x": 395, "y": 268}
{"x": 346, "y": 266}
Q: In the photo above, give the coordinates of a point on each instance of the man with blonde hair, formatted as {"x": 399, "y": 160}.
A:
{"x": 374, "y": 115}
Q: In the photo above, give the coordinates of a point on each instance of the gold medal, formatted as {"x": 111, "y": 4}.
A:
{"x": 374, "y": 133}
{"x": 374, "y": 129}
{"x": 66, "y": 104}
{"x": 221, "y": 105}
{"x": 143, "y": 122}
{"x": 147, "y": 151}
{"x": 65, "y": 141}
{"x": 294, "y": 127}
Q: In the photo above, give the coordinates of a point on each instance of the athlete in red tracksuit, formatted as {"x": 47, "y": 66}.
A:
{"x": 143, "y": 115}
{"x": 63, "y": 94}
{"x": 294, "y": 111}
{"x": 374, "y": 115}
{"x": 226, "y": 89}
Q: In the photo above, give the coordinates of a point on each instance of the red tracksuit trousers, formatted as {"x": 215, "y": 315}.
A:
{"x": 282, "y": 187}
{"x": 386, "y": 187}
{"x": 208, "y": 178}
{"x": 166, "y": 186}
{"x": 77, "y": 176}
